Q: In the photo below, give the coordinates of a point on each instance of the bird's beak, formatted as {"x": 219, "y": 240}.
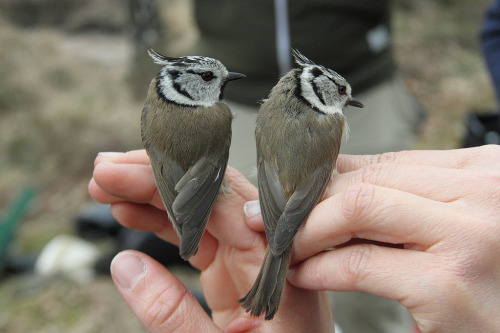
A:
{"x": 234, "y": 76}
{"x": 354, "y": 102}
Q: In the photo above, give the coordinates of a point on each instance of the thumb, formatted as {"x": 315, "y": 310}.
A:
{"x": 157, "y": 298}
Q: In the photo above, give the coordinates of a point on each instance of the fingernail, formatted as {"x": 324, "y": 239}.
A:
{"x": 128, "y": 269}
{"x": 110, "y": 153}
{"x": 251, "y": 208}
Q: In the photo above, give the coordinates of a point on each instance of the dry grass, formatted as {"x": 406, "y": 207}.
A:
{"x": 437, "y": 47}
{"x": 60, "y": 108}
{"x": 31, "y": 305}
{"x": 62, "y": 99}
{"x": 65, "y": 97}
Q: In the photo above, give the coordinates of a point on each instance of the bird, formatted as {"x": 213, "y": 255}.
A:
{"x": 186, "y": 132}
{"x": 298, "y": 134}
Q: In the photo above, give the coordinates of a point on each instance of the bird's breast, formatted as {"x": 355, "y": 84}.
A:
{"x": 188, "y": 133}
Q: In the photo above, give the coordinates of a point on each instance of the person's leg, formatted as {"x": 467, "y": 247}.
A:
{"x": 388, "y": 122}
{"x": 243, "y": 152}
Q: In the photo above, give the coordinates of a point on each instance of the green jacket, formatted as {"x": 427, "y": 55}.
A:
{"x": 351, "y": 37}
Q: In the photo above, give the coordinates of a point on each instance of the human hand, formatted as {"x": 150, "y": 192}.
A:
{"x": 439, "y": 211}
{"x": 229, "y": 257}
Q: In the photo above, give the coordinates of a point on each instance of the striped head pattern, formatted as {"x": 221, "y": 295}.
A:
{"x": 191, "y": 80}
{"x": 324, "y": 89}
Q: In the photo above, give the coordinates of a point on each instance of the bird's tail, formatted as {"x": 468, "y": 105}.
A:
{"x": 265, "y": 294}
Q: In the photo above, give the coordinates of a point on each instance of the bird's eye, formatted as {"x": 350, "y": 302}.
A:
{"x": 342, "y": 90}
{"x": 207, "y": 76}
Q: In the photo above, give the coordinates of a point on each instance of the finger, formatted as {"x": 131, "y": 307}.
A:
{"x": 253, "y": 216}
{"x": 127, "y": 182}
{"x": 374, "y": 213}
{"x": 99, "y": 195}
{"x": 435, "y": 183}
{"x": 147, "y": 218}
{"x": 373, "y": 269}
{"x": 143, "y": 217}
{"x": 240, "y": 185}
{"x": 131, "y": 157}
{"x": 410, "y": 171}
{"x": 468, "y": 158}
{"x": 158, "y": 299}
{"x": 227, "y": 220}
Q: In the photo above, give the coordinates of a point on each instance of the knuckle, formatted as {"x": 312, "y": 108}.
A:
{"x": 357, "y": 201}
{"x": 481, "y": 254}
{"x": 473, "y": 156}
{"x": 490, "y": 184}
{"x": 355, "y": 264}
{"x": 475, "y": 257}
{"x": 489, "y": 151}
{"x": 389, "y": 157}
{"x": 316, "y": 274}
{"x": 373, "y": 174}
{"x": 494, "y": 179}
{"x": 484, "y": 185}
{"x": 165, "y": 311}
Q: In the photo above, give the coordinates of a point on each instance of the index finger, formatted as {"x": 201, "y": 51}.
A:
{"x": 227, "y": 220}
{"x": 130, "y": 157}
{"x": 374, "y": 213}
{"x": 467, "y": 158}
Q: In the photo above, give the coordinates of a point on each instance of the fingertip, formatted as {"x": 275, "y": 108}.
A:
{"x": 158, "y": 299}
{"x": 101, "y": 171}
{"x": 109, "y": 154}
{"x": 93, "y": 189}
{"x": 253, "y": 215}
{"x": 106, "y": 157}
{"x": 91, "y": 186}
{"x": 292, "y": 271}
{"x": 127, "y": 269}
{"x": 97, "y": 193}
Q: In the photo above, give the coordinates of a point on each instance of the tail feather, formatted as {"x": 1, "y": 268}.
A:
{"x": 265, "y": 294}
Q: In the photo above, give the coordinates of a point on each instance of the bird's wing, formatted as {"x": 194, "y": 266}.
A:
{"x": 197, "y": 191}
{"x": 271, "y": 197}
{"x": 298, "y": 208}
{"x": 167, "y": 172}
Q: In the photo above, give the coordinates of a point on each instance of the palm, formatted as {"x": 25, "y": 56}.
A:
{"x": 230, "y": 253}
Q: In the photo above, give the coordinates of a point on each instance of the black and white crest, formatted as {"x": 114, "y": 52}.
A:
{"x": 160, "y": 59}
{"x": 301, "y": 59}
{"x": 324, "y": 89}
{"x": 190, "y": 80}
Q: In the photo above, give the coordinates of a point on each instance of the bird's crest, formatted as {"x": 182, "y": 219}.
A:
{"x": 158, "y": 58}
{"x": 301, "y": 59}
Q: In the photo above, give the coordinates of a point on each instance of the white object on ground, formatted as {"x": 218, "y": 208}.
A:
{"x": 69, "y": 256}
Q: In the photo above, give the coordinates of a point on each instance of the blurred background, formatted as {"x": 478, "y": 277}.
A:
{"x": 73, "y": 79}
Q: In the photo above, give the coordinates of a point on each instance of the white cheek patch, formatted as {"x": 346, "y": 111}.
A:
{"x": 171, "y": 93}
{"x": 310, "y": 95}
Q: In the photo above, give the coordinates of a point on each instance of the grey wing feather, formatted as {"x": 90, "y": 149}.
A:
{"x": 198, "y": 190}
{"x": 275, "y": 187}
{"x": 298, "y": 208}
{"x": 271, "y": 197}
{"x": 167, "y": 174}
